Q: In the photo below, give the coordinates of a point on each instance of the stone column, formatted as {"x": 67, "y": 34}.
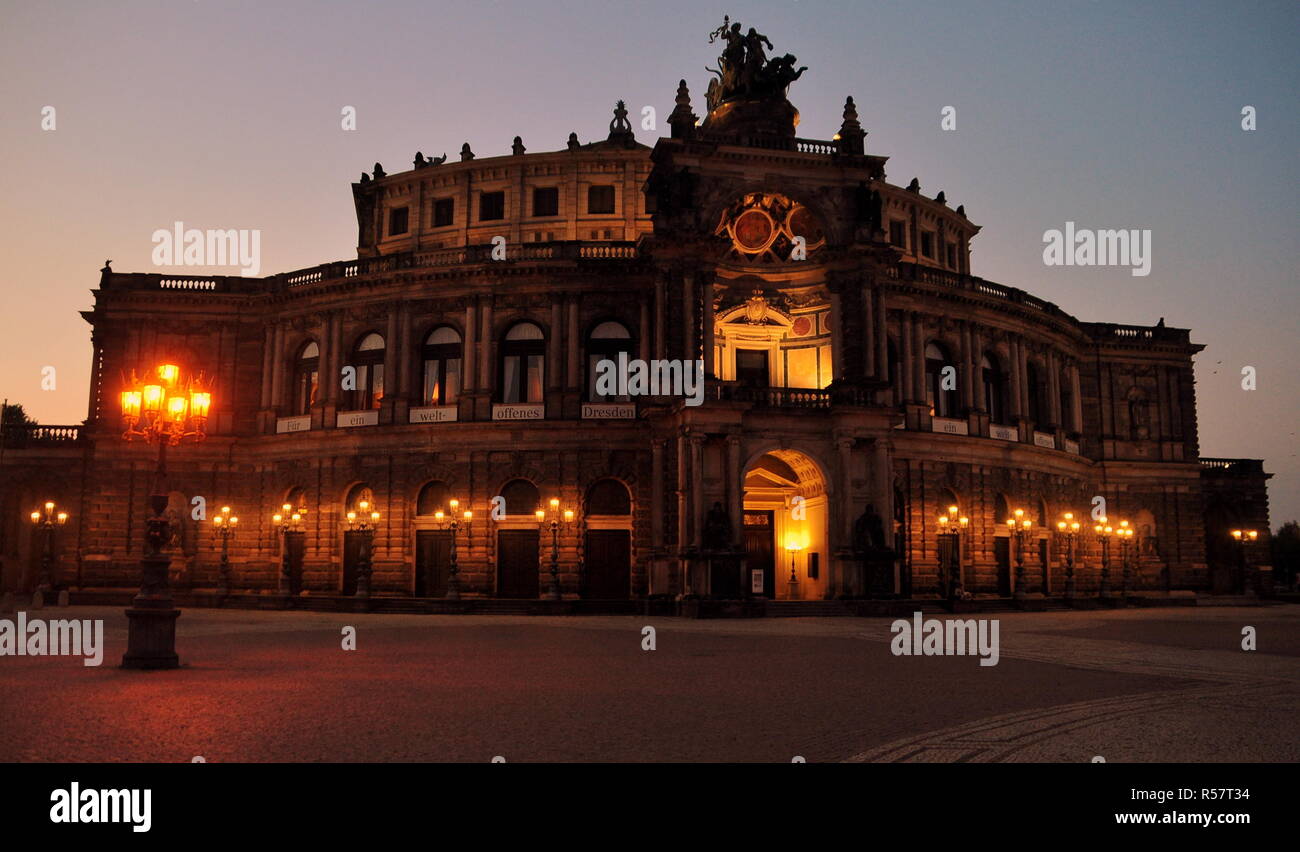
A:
{"x": 868, "y": 332}
{"x": 735, "y": 491}
{"x": 470, "y": 347}
{"x": 1076, "y": 404}
{"x": 268, "y": 375}
{"x": 918, "y": 351}
{"x": 643, "y": 331}
{"x": 661, "y": 319}
{"x": 906, "y": 365}
{"x": 967, "y": 369}
{"x": 690, "y": 346}
{"x": 882, "y": 336}
{"x": 708, "y": 318}
{"x": 1054, "y": 390}
{"x": 575, "y": 372}
{"x": 977, "y": 380}
{"x": 393, "y": 356}
{"x": 837, "y": 334}
{"x": 657, "y": 492}
{"x": 485, "y": 344}
{"x": 697, "y": 489}
{"x": 1016, "y": 378}
{"x": 683, "y": 477}
{"x": 554, "y": 360}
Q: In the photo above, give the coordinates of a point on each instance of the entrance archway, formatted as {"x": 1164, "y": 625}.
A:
{"x": 607, "y": 560}
{"x": 784, "y": 527}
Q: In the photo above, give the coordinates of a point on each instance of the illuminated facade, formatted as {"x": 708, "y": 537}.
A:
{"x": 860, "y": 381}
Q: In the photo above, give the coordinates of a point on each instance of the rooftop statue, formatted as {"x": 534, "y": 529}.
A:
{"x": 744, "y": 71}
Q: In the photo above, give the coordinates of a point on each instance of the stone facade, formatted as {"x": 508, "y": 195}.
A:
{"x": 855, "y": 368}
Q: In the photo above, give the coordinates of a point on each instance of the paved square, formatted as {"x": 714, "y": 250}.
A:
{"x": 1134, "y": 685}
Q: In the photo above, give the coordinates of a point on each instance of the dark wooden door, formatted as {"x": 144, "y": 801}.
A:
{"x": 1044, "y": 565}
{"x": 296, "y": 543}
{"x": 1002, "y": 556}
{"x": 517, "y": 564}
{"x": 752, "y": 368}
{"x": 760, "y": 550}
{"x": 432, "y": 563}
{"x": 352, "y": 544}
{"x": 608, "y": 563}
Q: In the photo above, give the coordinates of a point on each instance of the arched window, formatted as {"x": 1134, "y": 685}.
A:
{"x": 943, "y": 403}
{"x": 432, "y": 498}
{"x": 306, "y": 378}
{"x": 297, "y": 499}
{"x": 1066, "y": 415}
{"x": 442, "y": 354}
{"x": 521, "y": 497}
{"x": 1001, "y": 512}
{"x": 523, "y": 354}
{"x": 368, "y": 360}
{"x": 361, "y": 492}
{"x": 608, "y": 497}
{"x": 995, "y": 389}
{"x": 605, "y": 342}
{"x": 1041, "y": 519}
{"x": 948, "y": 499}
{"x": 1037, "y": 410}
{"x": 895, "y": 378}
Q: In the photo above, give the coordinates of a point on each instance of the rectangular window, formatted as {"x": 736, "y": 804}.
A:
{"x": 441, "y": 381}
{"x": 927, "y": 244}
{"x": 546, "y": 201}
{"x": 444, "y": 212}
{"x": 600, "y": 200}
{"x": 521, "y": 379}
{"x": 398, "y": 220}
{"x": 814, "y": 565}
{"x": 952, "y": 257}
{"x": 751, "y": 368}
{"x": 491, "y": 205}
{"x": 897, "y": 232}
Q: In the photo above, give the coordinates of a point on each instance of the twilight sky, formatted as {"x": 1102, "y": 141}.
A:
{"x": 1107, "y": 114}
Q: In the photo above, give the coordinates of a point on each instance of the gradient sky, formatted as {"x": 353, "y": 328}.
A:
{"x": 1108, "y": 114}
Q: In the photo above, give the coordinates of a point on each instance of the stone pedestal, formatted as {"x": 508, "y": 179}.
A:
{"x": 151, "y": 620}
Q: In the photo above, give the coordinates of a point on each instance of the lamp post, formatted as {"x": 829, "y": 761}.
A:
{"x": 364, "y": 523}
{"x": 224, "y": 525}
{"x": 553, "y": 593}
{"x": 452, "y": 523}
{"x": 1243, "y": 537}
{"x": 953, "y": 524}
{"x": 1104, "y": 531}
{"x": 289, "y": 520}
{"x": 793, "y": 544}
{"x": 1019, "y": 527}
{"x": 1125, "y": 535}
{"x": 45, "y": 520}
{"x": 1067, "y": 530}
{"x": 159, "y": 409}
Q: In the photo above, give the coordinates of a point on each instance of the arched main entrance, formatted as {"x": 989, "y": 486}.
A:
{"x": 607, "y": 551}
{"x": 784, "y": 527}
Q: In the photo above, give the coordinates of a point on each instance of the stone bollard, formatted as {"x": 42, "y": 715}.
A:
{"x": 38, "y": 600}
{"x": 63, "y": 597}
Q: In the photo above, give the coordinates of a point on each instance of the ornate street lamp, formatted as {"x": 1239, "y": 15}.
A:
{"x": 45, "y": 520}
{"x": 953, "y": 525}
{"x": 454, "y": 524}
{"x": 1067, "y": 531}
{"x": 364, "y": 523}
{"x": 1019, "y": 527}
{"x": 793, "y": 544}
{"x": 159, "y": 409}
{"x": 289, "y": 521}
{"x": 1103, "y": 532}
{"x": 224, "y": 525}
{"x": 1243, "y": 538}
{"x": 1125, "y": 535}
{"x": 554, "y": 593}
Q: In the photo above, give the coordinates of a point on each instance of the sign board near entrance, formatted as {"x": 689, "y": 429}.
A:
{"x": 756, "y": 581}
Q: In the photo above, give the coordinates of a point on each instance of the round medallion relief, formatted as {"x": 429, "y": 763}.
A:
{"x": 753, "y": 230}
{"x": 802, "y": 326}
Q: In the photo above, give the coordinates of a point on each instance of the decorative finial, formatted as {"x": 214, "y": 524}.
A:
{"x": 518, "y": 147}
{"x": 961, "y": 210}
{"x": 851, "y": 134}
{"x": 365, "y": 177}
{"x": 419, "y": 160}
{"x": 941, "y": 198}
{"x": 573, "y": 142}
{"x": 683, "y": 120}
{"x": 914, "y": 186}
{"x": 620, "y": 129}
{"x": 466, "y": 153}
{"x": 380, "y": 174}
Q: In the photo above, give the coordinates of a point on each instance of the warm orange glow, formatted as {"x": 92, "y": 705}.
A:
{"x": 952, "y": 510}
{"x": 437, "y": 516}
{"x": 286, "y": 508}
{"x": 200, "y": 402}
{"x": 168, "y": 374}
{"x": 943, "y": 520}
{"x": 374, "y": 516}
{"x": 568, "y": 515}
{"x": 1011, "y": 522}
{"x": 469, "y": 516}
{"x": 1060, "y": 525}
{"x": 364, "y": 505}
{"x": 49, "y": 505}
{"x": 218, "y": 520}
{"x": 1026, "y": 523}
{"x": 234, "y": 521}
{"x": 36, "y": 517}
{"x": 793, "y": 542}
{"x": 225, "y": 510}
{"x": 555, "y": 503}
{"x": 352, "y": 516}
{"x": 63, "y": 518}
{"x": 176, "y": 408}
{"x": 964, "y": 521}
{"x": 296, "y": 517}
{"x": 454, "y": 504}
{"x": 1253, "y": 535}
{"x": 131, "y": 403}
{"x": 541, "y": 516}
{"x": 1018, "y": 513}
{"x": 277, "y": 518}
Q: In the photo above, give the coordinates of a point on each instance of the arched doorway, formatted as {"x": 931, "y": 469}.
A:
{"x": 784, "y": 527}
{"x": 432, "y": 544}
{"x": 354, "y": 541}
{"x": 517, "y": 541}
{"x": 607, "y": 551}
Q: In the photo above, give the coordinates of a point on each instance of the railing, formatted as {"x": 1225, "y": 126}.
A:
{"x": 1240, "y": 467}
{"x": 773, "y": 397}
{"x": 17, "y": 437}
{"x": 768, "y": 142}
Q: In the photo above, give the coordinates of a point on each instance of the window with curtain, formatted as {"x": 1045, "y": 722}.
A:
{"x": 442, "y": 366}
{"x": 523, "y": 355}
